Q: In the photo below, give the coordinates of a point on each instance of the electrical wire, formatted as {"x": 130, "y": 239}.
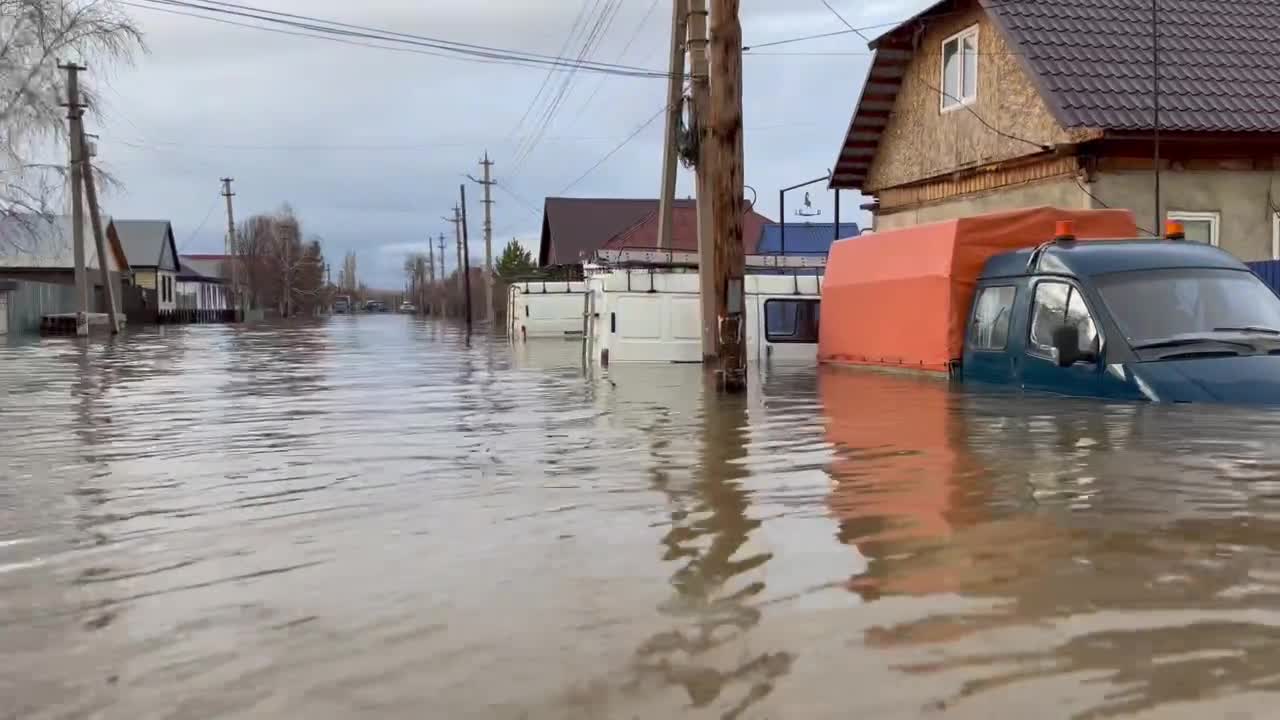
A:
{"x": 516, "y": 196}
{"x": 568, "y": 41}
{"x": 640, "y": 26}
{"x": 601, "y": 26}
{"x": 926, "y": 83}
{"x": 208, "y": 214}
{"x": 1105, "y": 206}
{"x": 334, "y": 30}
{"x": 616, "y": 148}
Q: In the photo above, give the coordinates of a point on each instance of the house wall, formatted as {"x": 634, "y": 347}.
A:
{"x": 921, "y": 141}
{"x": 194, "y": 295}
{"x": 1242, "y": 198}
{"x": 145, "y": 279}
{"x": 28, "y": 301}
{"x": 169, "y": 301}
{"x": 1063, "y": 193}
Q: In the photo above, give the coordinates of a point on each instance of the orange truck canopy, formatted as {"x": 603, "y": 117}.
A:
{"x": 901, "y": 298}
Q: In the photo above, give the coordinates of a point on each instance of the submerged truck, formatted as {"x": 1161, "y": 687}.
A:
{"x": 1063, "y": 302}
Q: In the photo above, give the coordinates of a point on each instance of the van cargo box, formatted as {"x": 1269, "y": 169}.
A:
{"x": 901, "y": 298}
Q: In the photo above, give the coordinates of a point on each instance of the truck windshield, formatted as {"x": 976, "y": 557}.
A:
{"x": 1162, "y": 304}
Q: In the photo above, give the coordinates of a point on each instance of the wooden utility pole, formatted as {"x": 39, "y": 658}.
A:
{"x": 726, "y": 185}
{"x": 487, "y": 183}
{"x": 675, "y": 98}
{"x": 75, "y": 114}
{"x": 431, "y": 262}
{"x": 444, "y": 310}
{"x": 230, "y": 245}
{"x": 701, "y": 97}
{"x": 457, "y": 242}
{"x": 99, "y": 235}
{"x": 466, "y": 259}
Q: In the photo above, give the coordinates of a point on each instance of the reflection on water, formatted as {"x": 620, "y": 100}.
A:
{"x": 372, "y": 517}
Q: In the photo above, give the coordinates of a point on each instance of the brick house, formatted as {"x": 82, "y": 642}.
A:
{"x": 980, "y": 105}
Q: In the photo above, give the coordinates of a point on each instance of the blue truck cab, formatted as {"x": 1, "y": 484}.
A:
{"x": 1145, "y": 320}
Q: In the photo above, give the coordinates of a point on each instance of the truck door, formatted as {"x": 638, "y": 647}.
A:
{"x": 1054, "y": 303}
{"x": 988, "y": 356}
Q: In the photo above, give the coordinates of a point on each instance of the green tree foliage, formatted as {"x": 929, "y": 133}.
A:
{"x": 515, "y": 261}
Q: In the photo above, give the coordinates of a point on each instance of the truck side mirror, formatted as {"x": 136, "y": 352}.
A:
{"x": 1066, "y": 345}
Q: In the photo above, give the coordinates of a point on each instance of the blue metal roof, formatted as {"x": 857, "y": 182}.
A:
{"x": 1269, "y": 271}
{"x": 803, "y": 238}
{"x": 1096, "y": 258}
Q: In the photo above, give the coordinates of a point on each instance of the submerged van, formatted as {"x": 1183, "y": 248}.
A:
{"x": 1048, "y": 300}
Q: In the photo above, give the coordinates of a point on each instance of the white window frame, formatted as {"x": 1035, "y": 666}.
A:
{"x": 962, "y": 101}
{"x": 1275, "y": 236}
{"x": 1214, "y": 219}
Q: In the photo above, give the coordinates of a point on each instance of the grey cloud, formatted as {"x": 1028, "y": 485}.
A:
{"x": 369, "y": 146}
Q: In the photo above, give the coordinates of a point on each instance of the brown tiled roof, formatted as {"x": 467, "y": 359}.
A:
{"x": 684, "y": 230}
{"x": 574, "y": 228}
{"x": 1219, "y": 61}
{"x": 1092, "y": 61}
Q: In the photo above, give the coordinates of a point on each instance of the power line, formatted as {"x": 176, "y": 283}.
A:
{"x": 564, "y": 48}
{"x": 516, "y": 196}
{"x": 334, "y": 30}
{"x": 200, "y": 227}
{"x": 640, "y": 26}
{"x": 927, "y": 84}
{"x": 614, "y": 151}
{"x": 598, "y": 30}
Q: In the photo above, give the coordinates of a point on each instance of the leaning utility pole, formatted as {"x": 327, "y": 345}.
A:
{"x": 675, "y": 98}
{"x": 99, "y": 235}
{"x": 726, "y": 185}
{"x": 230, "y": 248}
{"x": 466, "y": 259}
{"x": 75, "y": 113}
{"x": 488, "y": 182}
{"x": 701, "y": 96}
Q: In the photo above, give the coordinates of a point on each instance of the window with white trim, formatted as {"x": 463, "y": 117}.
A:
{"x": 1275, "y": 236}
{"x": 960, "y": 69}
{"x": 1200, "y": 227}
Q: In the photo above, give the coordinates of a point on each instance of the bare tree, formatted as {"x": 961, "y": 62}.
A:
{"x": 347, "y": 279}
{"x": 34, "y": 36}
{"x": 416, "y": 270}
{"x": 280, "y": 270}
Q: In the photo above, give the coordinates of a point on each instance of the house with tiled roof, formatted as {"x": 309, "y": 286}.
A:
{"x": 981, "y": 105}
{"x": 573, "y": 229}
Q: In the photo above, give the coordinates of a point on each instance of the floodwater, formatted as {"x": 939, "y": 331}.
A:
{"x": 368, "y": 518}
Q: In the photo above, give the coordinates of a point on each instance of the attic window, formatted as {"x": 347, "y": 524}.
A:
{"x": 960, "y": 69}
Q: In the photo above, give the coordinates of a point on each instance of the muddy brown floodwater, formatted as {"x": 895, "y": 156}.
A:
{"x": 367, "y": 518}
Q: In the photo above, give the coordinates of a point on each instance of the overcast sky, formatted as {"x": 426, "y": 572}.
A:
{"x": 369, "y": 145}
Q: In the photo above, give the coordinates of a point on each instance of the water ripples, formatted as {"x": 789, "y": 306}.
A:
{"x": 373, "y": 517}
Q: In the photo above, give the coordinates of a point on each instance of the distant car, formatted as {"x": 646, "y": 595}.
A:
{"x": 408, "y": 308}
{"x": 375, "y": 306}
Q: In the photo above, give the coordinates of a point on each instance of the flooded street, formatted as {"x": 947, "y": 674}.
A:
{"x": 367, "y": 517}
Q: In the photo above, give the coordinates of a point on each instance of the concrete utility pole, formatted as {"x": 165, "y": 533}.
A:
{"x": 488, "y": 182}
{"x": 466, "y": 259}
{"x": 75, "y": 114}
{"x": 726, "y": 187}
{"x": 701, "y": 96}
{"x": 675, "y": 101}
{"x": 231, "y": 242}
{"x": 99, "y": 235}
